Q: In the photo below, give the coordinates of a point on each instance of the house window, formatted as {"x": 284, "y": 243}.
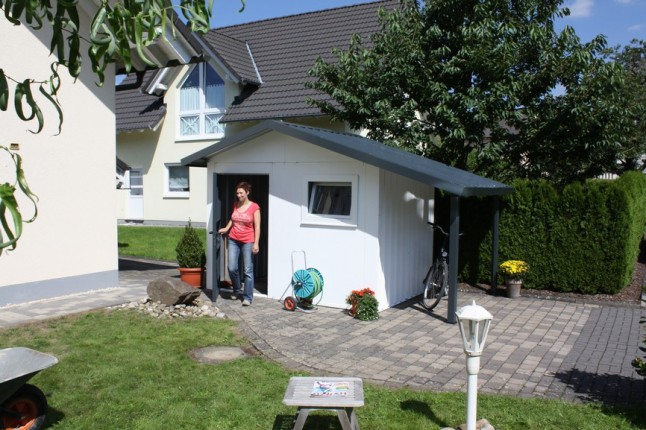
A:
{"x": 177, "y": 181}
{"x": 330, "y": 198}
{"x": 331, "y": 202}
{"x": 201, "y": 103}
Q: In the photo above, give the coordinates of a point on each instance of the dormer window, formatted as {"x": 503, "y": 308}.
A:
{"x": 201, "y": 104}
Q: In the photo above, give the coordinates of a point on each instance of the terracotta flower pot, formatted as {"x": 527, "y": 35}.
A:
{"x": 353, "y": 310}
{"x": 192, "y": 276}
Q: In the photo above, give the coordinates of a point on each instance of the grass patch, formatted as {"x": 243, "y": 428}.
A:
{"x": 156, "y": 243}
{"x": 121, "y": 369}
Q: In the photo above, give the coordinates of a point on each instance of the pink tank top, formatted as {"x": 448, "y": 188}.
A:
{"x": 242, "y": 229}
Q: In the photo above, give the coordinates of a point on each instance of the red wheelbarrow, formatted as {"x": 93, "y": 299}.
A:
{"x": 22, "y": 406}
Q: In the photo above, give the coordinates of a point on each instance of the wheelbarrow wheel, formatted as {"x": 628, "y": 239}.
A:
{"x": 24, "y": 410}
{"x": 289, "y": 303}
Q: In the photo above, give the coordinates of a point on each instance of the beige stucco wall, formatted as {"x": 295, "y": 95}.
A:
{"x": 72, "y": 244}
{"x": 140, "y": 150}
{"x": 152, "y": 150}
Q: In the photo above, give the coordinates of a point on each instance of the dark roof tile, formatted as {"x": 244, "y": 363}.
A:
{"x": 285, "y": 49}
{"x": 235, "y": 54}
{"x": 135, "y": 110}
{"x": 282, "y": 49}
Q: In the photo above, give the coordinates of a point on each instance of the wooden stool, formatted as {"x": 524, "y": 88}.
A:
{"x": 303, "y": 392}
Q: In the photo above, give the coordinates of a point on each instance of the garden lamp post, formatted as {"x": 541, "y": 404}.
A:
{"x": 474, "y": 322}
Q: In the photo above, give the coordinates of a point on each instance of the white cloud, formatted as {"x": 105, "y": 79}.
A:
{"x": 581, "y": 8}
{"x": 624, "y": 1}
{"x": 637, "y": 27}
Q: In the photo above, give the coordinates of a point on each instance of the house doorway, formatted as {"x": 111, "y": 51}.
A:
{"x": 260, "y": 194}
{"x": 136, "y": 194}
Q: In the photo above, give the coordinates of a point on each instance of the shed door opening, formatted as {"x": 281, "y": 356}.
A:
{"x": 259, "y": 194}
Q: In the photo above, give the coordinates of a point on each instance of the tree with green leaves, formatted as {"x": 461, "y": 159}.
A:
{"x": 489, "y": 86}
{"x": 115, "y": 28}
{"x": 632, "y": 59}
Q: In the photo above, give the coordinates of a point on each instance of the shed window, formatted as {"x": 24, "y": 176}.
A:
{"x": 330, "y": 198}
{"x": 330, "y": 201}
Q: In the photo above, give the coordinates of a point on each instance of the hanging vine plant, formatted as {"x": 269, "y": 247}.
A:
{"x": 115, "y": 28}
{"x": 10, "y": 232}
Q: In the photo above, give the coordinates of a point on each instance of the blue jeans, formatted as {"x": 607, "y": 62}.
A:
{"x": 235, "y": 248}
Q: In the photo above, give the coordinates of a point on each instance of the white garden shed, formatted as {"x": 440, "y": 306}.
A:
{"x": 356, "y": 207}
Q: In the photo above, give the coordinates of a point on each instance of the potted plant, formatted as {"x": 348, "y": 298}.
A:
{"x": 190, "y": 256}
{"x": 514, "y": 271}
{"x": 364, "y": 304}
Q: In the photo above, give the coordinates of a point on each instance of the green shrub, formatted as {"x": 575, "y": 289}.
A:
{"x": 583, "y": 238}
{"x": 190, "y": 251}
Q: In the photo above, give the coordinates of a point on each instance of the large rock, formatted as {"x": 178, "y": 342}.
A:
{"x": 172, "y": 291}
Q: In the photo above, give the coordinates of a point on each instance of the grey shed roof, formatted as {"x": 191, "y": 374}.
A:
{"x": 284, "y": 50}
{"x": 136, "y": 110}
{"x": 441, "y": 176}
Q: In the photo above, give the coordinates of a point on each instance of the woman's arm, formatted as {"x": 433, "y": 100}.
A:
{"x": 256, "y": 231}
{"x": 226, "y": 228}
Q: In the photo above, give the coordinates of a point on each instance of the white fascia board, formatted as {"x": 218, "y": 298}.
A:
{"x": 177, "y": 46}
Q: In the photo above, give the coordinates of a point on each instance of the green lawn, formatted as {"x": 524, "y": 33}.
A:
{"x": 122, "y": 370}
{"x": 156, "y": 243}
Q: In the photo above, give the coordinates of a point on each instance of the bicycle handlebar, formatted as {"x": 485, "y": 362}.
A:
{"x": 432, "y": 224}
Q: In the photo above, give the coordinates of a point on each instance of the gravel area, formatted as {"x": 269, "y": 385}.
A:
{"x": 629, "y": 296}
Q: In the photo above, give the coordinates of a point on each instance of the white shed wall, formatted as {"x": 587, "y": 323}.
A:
{"x": 347, "y": 257}
{"x": 406, "y": 238}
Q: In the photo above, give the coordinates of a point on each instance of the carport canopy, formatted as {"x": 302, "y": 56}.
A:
{"x": 457, "y": 182}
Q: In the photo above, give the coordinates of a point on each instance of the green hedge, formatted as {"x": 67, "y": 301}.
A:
{"x": 584, "y": 238}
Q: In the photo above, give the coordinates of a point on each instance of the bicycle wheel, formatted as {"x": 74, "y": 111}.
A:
{"x": 435, "y": 287}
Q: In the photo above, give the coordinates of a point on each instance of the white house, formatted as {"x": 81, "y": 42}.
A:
{"x": 72, "y": 245}
{"x": 251, "y": 72}
{"x": 371, "y": 230}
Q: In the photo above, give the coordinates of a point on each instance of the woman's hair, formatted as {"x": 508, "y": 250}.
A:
{"x": 245, "y": 186}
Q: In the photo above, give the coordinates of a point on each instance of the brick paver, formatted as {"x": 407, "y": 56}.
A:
{"x": 536, "y": 348}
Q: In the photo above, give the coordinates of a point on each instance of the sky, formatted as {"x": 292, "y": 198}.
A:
{"x": 619, "y": 20}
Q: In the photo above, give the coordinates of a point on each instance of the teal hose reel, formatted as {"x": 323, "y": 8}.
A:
{"x": 306, "y": 285}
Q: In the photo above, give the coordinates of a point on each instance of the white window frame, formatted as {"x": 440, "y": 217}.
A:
{"x": 168, "y": 193}
{"x": 311, "y": 219}
{"x": 201, "y": 112}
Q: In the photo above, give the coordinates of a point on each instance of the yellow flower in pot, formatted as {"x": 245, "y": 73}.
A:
{"x": 514, "y": 271}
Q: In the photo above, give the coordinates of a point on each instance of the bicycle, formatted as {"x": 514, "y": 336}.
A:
{"x": 436, "y": 282}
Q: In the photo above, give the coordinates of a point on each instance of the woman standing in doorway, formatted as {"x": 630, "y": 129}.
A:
{"x": 244, "y": 236}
